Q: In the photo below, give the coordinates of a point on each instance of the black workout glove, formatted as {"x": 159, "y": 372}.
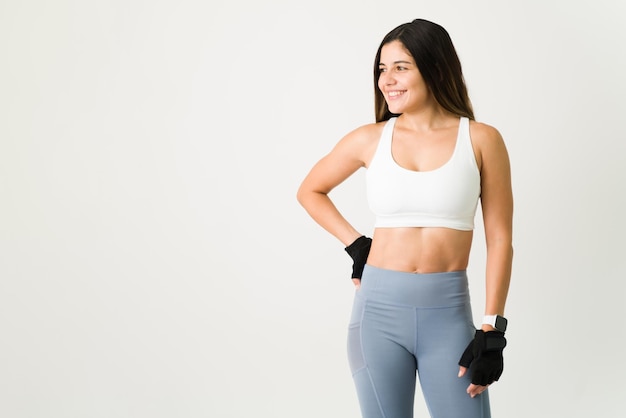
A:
{"x": 484, "y": 355}
{"x": 359, "y": 250}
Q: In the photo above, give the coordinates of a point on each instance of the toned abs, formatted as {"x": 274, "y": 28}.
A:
{"x": 420, "y": 250}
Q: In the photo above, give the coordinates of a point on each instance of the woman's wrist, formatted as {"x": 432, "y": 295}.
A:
{"x": 350, "y": 238}
{"x": 494, "y": 323}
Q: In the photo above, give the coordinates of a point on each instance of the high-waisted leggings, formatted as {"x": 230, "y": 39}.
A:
{"x": 403, "y": 323}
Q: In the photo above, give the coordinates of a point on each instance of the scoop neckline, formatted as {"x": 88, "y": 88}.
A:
{"x": 454, "y": 151}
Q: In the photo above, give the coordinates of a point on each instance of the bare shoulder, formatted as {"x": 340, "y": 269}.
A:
{"x": 365, "y": 134}
{"x": 483, "y": 134}
{"x": 488, "y": 143}
{"x": 361, "y": 142}
{"x": 352, "y": 152}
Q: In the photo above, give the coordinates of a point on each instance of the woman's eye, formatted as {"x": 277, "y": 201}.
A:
{"x": 382, "y": 70}
{"x": 401, "y": 68}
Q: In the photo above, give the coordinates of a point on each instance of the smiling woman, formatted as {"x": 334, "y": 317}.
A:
{"x": 429, "y": 163}
{"x": 427, "y": 47}
{"x": 400, "y": 82}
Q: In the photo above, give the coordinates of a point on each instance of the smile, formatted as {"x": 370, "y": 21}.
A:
{"x": 395, "y": 93}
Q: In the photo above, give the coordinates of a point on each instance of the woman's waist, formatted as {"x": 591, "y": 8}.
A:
{"x": 420, "y": 250}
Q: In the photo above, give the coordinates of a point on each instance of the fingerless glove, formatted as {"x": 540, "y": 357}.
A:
{"x": 483, "y": 356}
{"x": 359, "y": 250}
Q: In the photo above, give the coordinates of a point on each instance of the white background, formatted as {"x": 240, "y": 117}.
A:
{"x": 154, "y": 261}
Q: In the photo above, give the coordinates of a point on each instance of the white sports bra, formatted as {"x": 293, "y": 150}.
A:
{"x": 445, "y": 197}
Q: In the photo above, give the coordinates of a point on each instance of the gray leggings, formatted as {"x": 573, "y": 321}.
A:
{"x": 406, "y": 322}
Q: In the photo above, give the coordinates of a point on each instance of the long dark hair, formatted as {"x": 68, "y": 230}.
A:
{"x": 431, "y": 47}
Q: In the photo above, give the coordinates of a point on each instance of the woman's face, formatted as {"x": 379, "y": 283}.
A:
{"x": 400, "y": 81}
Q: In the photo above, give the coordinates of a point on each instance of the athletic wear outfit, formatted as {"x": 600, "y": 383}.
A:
{"x": 444, "y": 197}
{"x": 406, "y": 322}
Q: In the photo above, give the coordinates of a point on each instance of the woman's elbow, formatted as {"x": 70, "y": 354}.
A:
{"x": 304, "y": 195}
{"x": 301, "y": 195}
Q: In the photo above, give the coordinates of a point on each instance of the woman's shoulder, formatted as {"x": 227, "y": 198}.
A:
{"x": 361, "y": 142}
{"x": 484, "y": 133}
{"x": 367, "y": 133}
{"x": 485, "y": 137}
{"x": 488, "y": 142}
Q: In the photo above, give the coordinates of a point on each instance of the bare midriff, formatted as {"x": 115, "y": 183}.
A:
{"x": 420, "y": 250}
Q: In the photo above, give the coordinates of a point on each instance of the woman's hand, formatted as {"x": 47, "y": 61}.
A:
{"x": 472, "y": 389}
{"x": 484, "y": 355}
{"x": 357, "y": 283}
{"x": 358, "y": 251}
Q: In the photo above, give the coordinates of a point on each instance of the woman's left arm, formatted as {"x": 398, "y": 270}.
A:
{"x": 497, "y": 207}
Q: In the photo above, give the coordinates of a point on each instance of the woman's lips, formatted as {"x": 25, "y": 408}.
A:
{"x": 394, "y": 94}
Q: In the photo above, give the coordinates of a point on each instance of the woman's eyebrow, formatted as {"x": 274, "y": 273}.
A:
{"x": 397, "y": 62}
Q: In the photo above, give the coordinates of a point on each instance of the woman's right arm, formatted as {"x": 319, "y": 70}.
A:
{"x": 346, "y": 157}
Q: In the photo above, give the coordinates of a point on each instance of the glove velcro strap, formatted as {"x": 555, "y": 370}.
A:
{"x": 494, "y": 340}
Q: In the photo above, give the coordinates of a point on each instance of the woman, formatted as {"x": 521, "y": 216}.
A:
{"x": 428, "y": 164}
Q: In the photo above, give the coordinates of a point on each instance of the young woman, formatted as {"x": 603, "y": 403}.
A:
{"x": 428, "y": 164}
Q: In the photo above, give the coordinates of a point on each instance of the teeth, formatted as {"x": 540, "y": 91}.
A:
{"x": 395, "y": 93}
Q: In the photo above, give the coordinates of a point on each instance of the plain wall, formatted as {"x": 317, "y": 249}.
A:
{"x": 154, "y": 261}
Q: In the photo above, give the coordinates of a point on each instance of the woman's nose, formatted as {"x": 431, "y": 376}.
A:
{"x": 387, "y": 79}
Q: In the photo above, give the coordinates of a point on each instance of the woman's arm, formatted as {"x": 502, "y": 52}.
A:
{"x": 497, "y": 207}
{"x": 345, "y": 158}
{"x": 497, "y": 204}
